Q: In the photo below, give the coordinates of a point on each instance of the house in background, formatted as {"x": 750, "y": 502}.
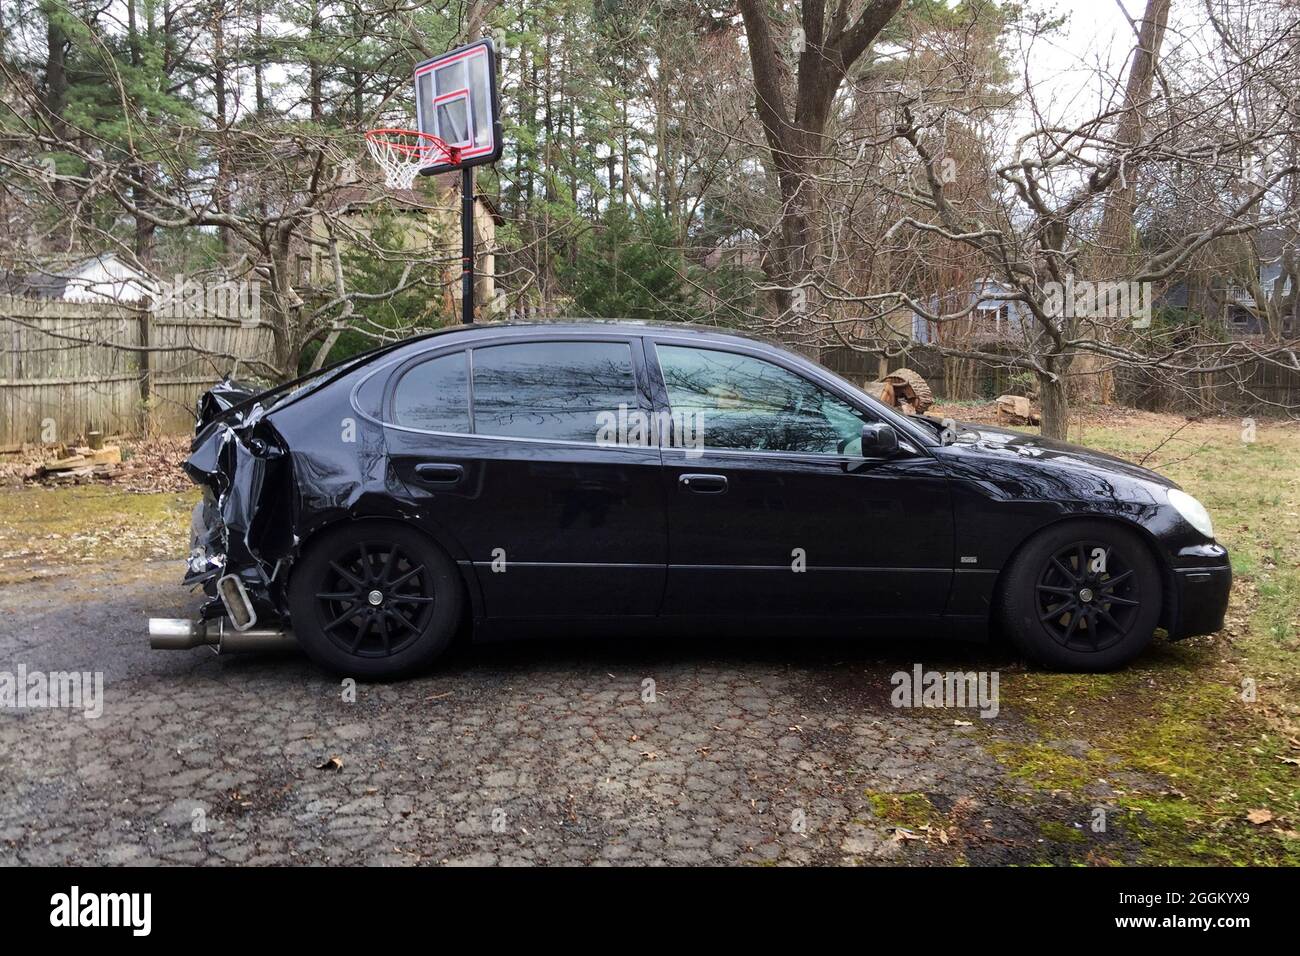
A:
{"x": 992, "y": 320}
{"x": 1243, "y": 316}
{"x": 101, "y": 278}
{"x": 1227, "y": 296}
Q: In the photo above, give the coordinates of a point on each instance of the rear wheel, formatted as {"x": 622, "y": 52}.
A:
{"x": 373, "y": 599}
{"x": 1083, "y": 596}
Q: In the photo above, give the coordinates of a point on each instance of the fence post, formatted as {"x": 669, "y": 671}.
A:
{"x": 146, "y": 367}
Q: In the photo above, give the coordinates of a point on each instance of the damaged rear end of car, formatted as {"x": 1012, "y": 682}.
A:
{"x": 241, "y": 531}
{"x": 274, "y": 466}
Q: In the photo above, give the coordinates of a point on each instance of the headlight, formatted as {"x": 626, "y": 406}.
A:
{"x": 1193, "y": 511}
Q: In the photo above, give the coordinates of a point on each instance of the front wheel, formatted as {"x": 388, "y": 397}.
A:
{"x": 374, "y": 600}
{"x": 1082, "y": 596}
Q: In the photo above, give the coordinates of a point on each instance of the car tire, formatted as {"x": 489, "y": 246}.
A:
{"x": 374, "y": 600}
{"x": 1082, "y": 596}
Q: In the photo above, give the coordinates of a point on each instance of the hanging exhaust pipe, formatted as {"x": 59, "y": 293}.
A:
{"x": 180, "y": 634}
{"x": 176, "y": 633}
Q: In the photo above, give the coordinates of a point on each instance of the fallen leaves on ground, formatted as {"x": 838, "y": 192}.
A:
{"x": 151, "y": 464}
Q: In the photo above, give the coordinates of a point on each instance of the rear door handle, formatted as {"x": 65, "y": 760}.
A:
{"x": 704, "y": 484}
{"x": 439, "y": 472}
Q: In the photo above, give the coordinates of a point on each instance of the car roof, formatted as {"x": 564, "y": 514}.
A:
{"x": 560, "y": 327}
{"x": 467, "y": 335}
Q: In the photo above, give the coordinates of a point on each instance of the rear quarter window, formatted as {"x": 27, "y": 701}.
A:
{"x": 434, "y": 395}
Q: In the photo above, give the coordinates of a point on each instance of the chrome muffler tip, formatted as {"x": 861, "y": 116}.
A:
{"x": 239, "y": 609}
{"x": 178, "y": 634}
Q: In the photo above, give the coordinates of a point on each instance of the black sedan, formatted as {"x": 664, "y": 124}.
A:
{"x": 606, "y": 477}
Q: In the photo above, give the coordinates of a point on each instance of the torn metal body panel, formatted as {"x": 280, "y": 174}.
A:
{"x": 243, "y": 468}
{"x": 224, "y": 396}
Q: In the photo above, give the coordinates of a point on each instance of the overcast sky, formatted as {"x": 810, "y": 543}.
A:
{"x": 1063, "y": 67}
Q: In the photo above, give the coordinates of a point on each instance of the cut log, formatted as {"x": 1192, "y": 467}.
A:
{"x": 902, "y": 389}
{"x": 1017, "y": 410}
{"x": 911, "y": 389}
{"x": 881, "y": 391}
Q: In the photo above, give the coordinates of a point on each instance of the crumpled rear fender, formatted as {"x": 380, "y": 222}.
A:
{"x": 244, "y": 523}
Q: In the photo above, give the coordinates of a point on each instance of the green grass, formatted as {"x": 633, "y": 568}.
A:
{"x": 46, "y": 527}
{"x": 1059, "y": 832}
{"x": 1185, "y": 756}
{"x": 910, "y": 810}
{"x": 1253, "y": 492}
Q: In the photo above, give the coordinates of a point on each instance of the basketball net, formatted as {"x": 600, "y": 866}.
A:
{"x": 402, "y": 153}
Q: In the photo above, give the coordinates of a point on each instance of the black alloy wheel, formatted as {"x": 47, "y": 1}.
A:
{"x": 1088, "y": 597}
{"x": 374, "y": 599}
{"x": 1083, "y": 595}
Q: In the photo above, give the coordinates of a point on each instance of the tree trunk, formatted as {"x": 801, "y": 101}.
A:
{"x": 1117, "y": 239}
{"x": 259, "y": 86}
{"x": 315, "y": 69}
{"x": 56, "y": 91}
{"x": 56, "y": 74}
{"x": 794, "y": 127}
{"x": 220, "y": 105}
{"x": 145, "y": 230}
{"x": 1056, "y": 406}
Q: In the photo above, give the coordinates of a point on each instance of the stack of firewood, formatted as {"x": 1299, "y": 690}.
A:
{"x": 73, "y": 464}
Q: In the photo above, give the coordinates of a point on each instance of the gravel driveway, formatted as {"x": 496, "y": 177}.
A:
{"x": 533, "y": 752}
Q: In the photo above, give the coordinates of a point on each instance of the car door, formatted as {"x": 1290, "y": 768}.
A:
{"x": 771, "y": 508}
{"x": 559, "y": 509}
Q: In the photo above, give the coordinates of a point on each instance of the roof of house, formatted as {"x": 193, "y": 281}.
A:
{"x": 53, "y": 282}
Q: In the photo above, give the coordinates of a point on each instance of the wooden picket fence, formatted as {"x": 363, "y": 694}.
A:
{"x": 67, "y": 368}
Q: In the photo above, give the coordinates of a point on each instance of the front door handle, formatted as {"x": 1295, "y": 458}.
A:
{"x": 439, "y": 472}
{"x": 704, "y": 484}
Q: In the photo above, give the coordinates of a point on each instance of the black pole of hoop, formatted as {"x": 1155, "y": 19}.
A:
{"x": 467, "y": 245}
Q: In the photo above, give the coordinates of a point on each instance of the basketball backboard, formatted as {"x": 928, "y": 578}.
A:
{"x": 456, "y": 100}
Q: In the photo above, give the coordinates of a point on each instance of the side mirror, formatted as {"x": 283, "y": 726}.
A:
{"x": 879, "y": 441}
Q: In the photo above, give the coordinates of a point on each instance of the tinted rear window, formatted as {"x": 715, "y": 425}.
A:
{"x": 554, "y": 390}
{"x": 434, "y": 395}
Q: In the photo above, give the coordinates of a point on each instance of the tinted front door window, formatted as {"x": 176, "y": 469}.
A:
{"x": 551, "y": 390}
{"x": 751, "y": 405}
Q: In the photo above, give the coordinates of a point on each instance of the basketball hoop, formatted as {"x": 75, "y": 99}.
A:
{"x": 402, "y": 153}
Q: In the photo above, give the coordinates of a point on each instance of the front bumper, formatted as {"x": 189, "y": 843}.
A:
{"x": 1200, "y": 599}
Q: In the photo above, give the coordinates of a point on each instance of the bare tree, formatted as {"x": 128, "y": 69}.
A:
{"x": 1062, "y": 192}
{"x": 794, "y": 113}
